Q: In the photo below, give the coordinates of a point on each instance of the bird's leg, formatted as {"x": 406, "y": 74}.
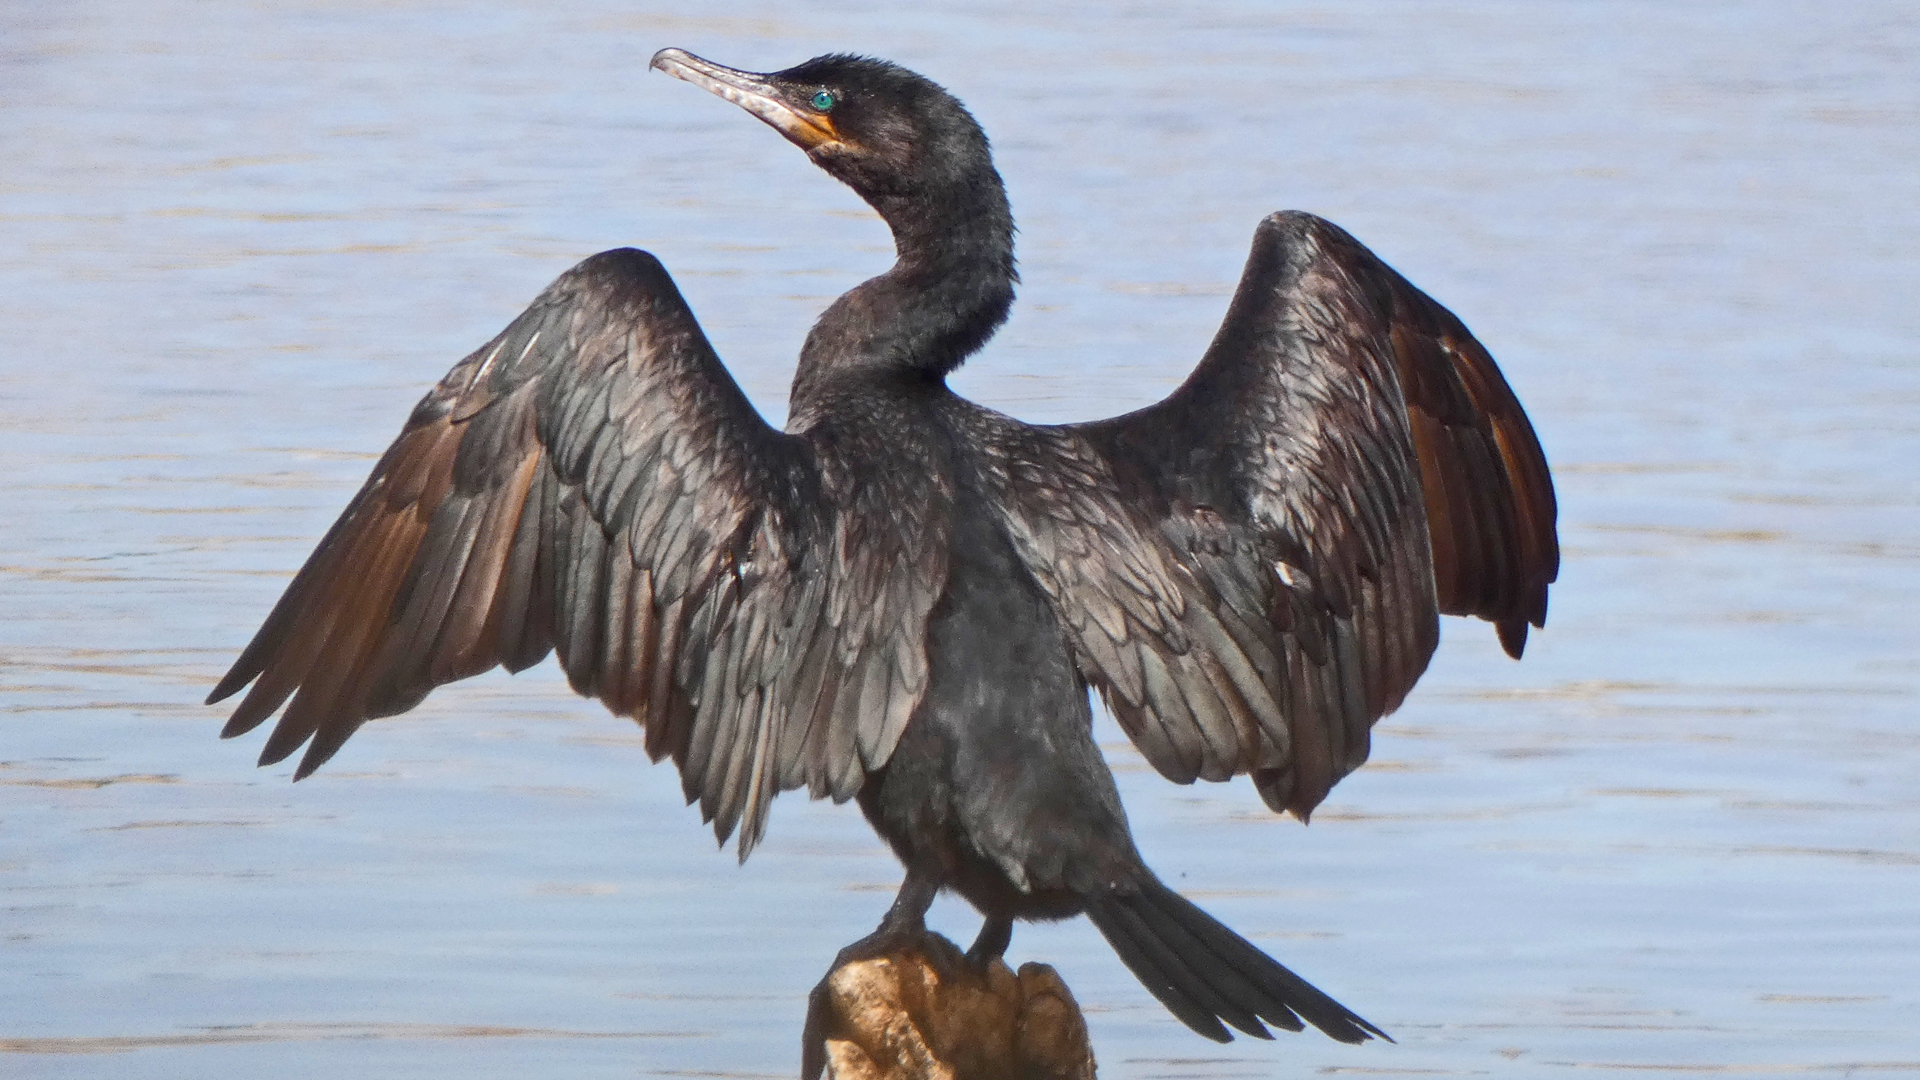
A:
{"x": 995, "y": 934}
{"x": 905, "y": 924}
{"x": 907, "y": 918}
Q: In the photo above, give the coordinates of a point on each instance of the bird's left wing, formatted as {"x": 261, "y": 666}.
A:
{"x": 593, "y": 481}
{"x": 1250, "y": 571}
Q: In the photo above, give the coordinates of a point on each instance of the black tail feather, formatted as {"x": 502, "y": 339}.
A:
{"x": 1183, "y": 942}
{"x": 1173, "y": 982}
{"x": 1204, "y": 973}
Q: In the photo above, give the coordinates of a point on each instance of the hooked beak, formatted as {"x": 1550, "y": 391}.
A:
{"x": 752, "y": 92}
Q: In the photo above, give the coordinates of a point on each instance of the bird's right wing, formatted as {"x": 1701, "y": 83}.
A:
{"x": 1250, "y": 571}
{"x": 593, "y": 480}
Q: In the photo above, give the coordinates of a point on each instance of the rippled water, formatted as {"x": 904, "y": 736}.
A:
{"x": 238, "y": 240}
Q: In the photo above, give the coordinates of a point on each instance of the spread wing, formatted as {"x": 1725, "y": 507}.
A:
{"x": 592, "y": 481}
{"x": 1251, "y": 571}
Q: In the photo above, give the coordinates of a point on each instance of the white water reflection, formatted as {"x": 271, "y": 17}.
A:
{"x": 238, "y": 240}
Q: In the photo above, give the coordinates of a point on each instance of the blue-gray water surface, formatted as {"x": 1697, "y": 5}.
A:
{"x": 238, "y": 240}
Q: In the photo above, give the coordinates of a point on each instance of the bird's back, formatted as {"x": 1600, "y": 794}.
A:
{"x": 996, "y": 779}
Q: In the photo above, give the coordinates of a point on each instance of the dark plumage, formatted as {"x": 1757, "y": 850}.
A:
{"x": 904, "y": 597}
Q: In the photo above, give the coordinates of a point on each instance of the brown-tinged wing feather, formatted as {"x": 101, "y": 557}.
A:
{"x": 593, "y": 482}
{"x": 1490, "y": 504}
{"x": 1247, "y": 570}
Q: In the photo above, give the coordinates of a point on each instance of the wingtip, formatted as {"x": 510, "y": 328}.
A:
{"x": 273, "y": 755}
{"x": 1367, "y": 1030}
{"x": 1364, "y": 1030}
{"x": 228, "y": 686}
{"x": 750, "y": 836}
{"x": 742, "y": 845}
{"x": 1513, "y": 636}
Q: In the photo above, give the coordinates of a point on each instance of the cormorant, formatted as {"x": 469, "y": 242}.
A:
{"x": 904, "y": 597}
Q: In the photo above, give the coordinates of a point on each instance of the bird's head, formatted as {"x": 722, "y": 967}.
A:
{"x": 918, "y": 157}
{"x": 898, "y": 139}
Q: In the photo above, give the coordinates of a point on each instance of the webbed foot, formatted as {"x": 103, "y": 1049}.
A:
{"x": 904, "y": 927}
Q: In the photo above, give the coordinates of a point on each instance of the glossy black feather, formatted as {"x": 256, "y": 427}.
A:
{"x": 1176, "y": 948}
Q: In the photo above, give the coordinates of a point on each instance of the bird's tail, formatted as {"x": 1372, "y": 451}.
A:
{"x": 1205, "y": 973}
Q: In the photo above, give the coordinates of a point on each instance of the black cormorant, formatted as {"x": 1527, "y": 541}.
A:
{"x": 904, "y": 597}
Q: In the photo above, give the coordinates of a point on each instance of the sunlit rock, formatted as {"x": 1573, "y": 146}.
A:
{"x": 925, "y": 1013}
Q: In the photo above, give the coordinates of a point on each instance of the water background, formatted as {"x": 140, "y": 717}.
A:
{"x": 238, "y": 240}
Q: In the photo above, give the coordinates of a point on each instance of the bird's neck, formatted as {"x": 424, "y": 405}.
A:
{"x": 948, "y": 291}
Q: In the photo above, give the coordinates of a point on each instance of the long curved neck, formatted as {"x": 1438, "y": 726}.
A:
{"x": 949, "y": 289}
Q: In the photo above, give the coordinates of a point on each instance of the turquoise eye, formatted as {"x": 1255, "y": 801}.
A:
{"x": 823, "y": 100}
